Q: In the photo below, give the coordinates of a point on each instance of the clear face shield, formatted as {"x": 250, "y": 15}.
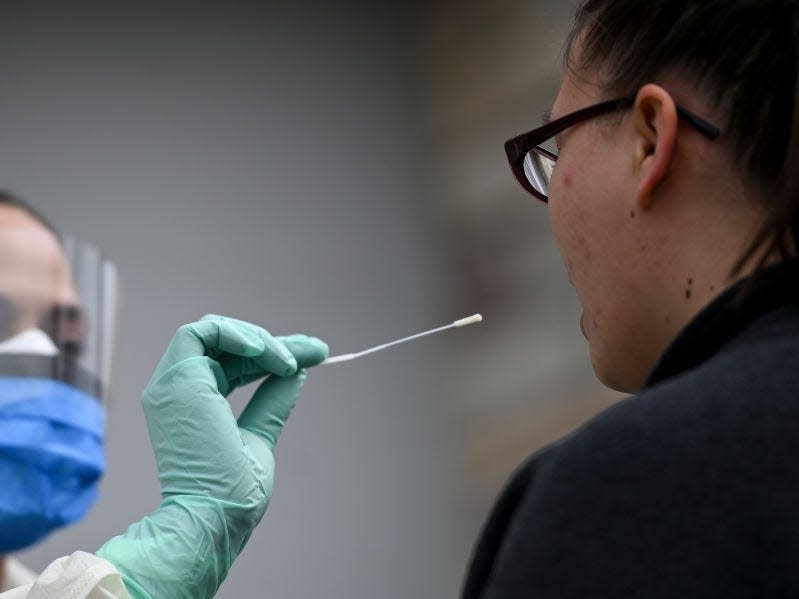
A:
{"x": 58, "y": 305}
{"x": 58, "y": 310}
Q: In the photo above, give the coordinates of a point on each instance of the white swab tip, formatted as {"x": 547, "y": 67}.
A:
{"x": 470, "y": 320}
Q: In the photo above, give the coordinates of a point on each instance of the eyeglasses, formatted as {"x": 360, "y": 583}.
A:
{"x": 533, "y": 155}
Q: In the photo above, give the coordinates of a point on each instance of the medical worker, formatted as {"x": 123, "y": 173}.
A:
{"x": 216, "y": 472}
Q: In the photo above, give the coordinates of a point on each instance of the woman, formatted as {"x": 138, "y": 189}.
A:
{"x": 673, "y": 199}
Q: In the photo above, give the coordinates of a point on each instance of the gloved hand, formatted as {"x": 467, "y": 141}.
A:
{"x": 216, "y": 474}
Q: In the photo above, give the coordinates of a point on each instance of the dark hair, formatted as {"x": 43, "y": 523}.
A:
{"x": 742, "y": 54}
{"x": 9, "y": 199}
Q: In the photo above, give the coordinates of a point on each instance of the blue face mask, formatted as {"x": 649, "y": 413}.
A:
{"x": 51, "y": 458}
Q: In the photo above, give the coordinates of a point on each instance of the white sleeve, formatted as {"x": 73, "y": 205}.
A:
{"x": 78, "y": 576}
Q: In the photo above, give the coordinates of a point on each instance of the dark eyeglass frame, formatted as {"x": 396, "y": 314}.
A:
{"x": 518, "y": 147}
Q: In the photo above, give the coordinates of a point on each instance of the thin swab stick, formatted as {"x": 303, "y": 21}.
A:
{"x": 347, "y": 357}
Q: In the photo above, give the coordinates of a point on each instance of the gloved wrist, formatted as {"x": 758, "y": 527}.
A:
{"x": 183, "y": 550}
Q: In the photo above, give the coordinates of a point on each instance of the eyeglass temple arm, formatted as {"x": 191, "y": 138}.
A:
{"x": 708, "y": 130}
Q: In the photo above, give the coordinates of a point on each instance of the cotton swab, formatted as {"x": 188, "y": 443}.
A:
{"x": 347, "y": 357}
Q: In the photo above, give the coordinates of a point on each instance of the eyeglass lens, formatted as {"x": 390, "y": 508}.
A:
{"x": 538, "y": 166}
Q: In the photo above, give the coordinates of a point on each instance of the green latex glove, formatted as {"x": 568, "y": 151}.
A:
{"x": 216, "y": 473}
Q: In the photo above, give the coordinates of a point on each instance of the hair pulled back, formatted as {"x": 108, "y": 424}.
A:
{"x": 743, "y": 55}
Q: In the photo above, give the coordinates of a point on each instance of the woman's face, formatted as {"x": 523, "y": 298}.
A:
{"x": 594, "y": 219}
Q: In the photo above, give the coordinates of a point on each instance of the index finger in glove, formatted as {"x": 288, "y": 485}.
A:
{"x": 307, "y": 352}
{"x": 216, "y": 336}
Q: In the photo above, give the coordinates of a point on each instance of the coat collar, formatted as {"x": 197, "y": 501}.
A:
{"x": 727, "y": 317}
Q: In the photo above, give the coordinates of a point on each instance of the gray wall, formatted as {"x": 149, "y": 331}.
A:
{"x": 263, "y": 160}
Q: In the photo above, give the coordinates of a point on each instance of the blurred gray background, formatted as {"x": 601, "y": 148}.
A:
{"x": 331, "y": 168}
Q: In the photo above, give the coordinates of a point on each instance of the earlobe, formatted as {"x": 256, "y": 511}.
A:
{"x": 655, "y": 121}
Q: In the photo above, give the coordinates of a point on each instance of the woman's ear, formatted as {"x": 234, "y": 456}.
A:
{"x": 655, "y": 133}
